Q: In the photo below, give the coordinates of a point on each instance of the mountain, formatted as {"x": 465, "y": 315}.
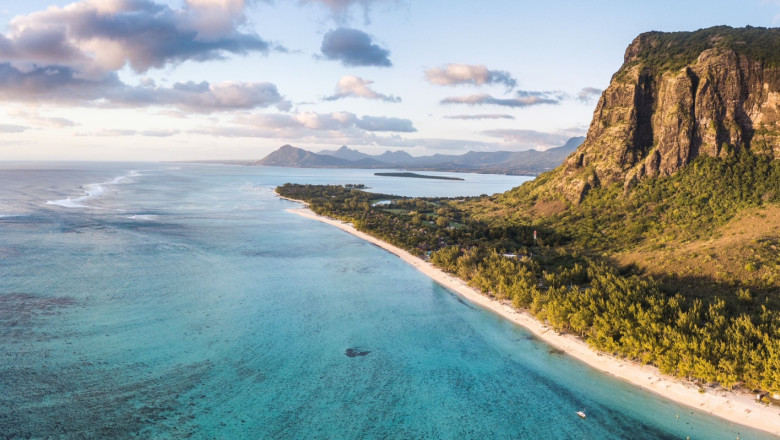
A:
{"x": 683, "y": 149}
{"x": 520, "y": 161}
{"x": 502, "y": 162}
{"x": 289, "y": 156}
{"x": 680, "y": 95}
{"x": 388, "y": 157}
{"x": 395, "y": 157}
{"x": 345, "y": 153}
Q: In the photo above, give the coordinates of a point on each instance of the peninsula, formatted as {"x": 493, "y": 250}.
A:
{"x": 417, "y": 176}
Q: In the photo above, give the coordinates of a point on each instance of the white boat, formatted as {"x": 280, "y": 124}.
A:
{"x": 581, "y": 414}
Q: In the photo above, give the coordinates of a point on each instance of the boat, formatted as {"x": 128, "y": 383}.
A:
{"x": 581, "y": 414}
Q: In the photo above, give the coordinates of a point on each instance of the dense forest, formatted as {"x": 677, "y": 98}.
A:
{"x": 729, "y": 335}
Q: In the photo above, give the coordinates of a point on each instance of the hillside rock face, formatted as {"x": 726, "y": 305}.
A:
{"x": 677, "y": 96}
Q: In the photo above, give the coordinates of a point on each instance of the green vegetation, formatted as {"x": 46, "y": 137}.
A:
{"x": 675, "y": 50}
{"x": 690, "y": 204}
{"x": 728, "y": 333}
{"x": 416, "y": 224}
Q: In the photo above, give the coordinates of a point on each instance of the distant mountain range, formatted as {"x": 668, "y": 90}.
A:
{"x": 501, "y": 162}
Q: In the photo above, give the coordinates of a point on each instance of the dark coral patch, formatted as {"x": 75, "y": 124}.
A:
{"x": 355, "y": 352}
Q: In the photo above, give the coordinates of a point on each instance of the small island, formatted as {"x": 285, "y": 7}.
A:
{"x": 417, "y": 176}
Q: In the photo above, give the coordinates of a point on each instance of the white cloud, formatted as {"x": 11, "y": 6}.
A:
{"x": 457, "y": 74}
{"x": 12, "y": 128}
{"x": 523, "y": 99}
{"x": 480, "y": 116}
{"x": 297, "y": 124}
{"x": 63, "y": 86}
{"x": 353, "y": 86}
{"x": 120, "y": 132}
{"x": 71, "y": 54}
{"x": 93, "y": 37}
{"x": 214, "y": 18}
{"x": 33, "y": 117}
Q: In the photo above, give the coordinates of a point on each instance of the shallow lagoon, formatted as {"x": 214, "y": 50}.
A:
{"x": 183, "y": 301}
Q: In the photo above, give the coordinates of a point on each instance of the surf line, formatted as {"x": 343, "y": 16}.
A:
{"x": 91, "y": 190}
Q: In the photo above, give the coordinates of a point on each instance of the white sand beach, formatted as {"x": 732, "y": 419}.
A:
{"x": 736, "y": 407}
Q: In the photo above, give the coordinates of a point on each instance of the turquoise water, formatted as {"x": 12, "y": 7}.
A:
{"x": 167, "y": 301}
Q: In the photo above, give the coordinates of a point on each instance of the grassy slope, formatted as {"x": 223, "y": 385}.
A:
{"x": 744, "y": 252}
{"x": 715, "y": 224}
{"x": 661, "y": 212}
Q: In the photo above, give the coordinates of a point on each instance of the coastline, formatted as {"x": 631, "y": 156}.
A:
{"x": 736, "y": 407}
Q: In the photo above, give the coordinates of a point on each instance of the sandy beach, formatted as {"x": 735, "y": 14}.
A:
{"x": 740, "y": 408}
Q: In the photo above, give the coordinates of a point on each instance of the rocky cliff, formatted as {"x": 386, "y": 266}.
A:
{"x": 679, "y": 95}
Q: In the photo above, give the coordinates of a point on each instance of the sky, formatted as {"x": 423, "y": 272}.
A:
{"x": 159, "y": 80}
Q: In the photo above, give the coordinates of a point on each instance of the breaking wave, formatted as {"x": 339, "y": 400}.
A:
{"x": 91, "y": 191}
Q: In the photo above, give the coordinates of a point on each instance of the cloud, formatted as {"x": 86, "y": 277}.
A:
{"x": 523, "y": 99}
{"x": 215, "y": 18}
{"x": 588, "y": 94}
{"x": 54, "y": 122}
{"x": 327, "y": 121}
{"x": 528, "y": 139}
{"x": 340, "y": 8}
{"x": 457, "y": 74}
{"x": 342, "y": 137}
{"x": 63, "y": 85}
{"x": 34, "y": 118}
{"x": 93, "y": 37}
{"x": 108, "y": 132}
{"x": 483, "y": 116}
{"x": 456, "y": 145}
{"x": 175, "y": 114}
{"x": 353, "y": 86}
{"x": 312, "y": 127}
{"x": 118, "y": 132}
{"x": 353, "y": 48}
{"x": 204, "y": 97}
{"x": 159, "y": 133}
{"x": 54, "y": 83}
{"x": 11, "y": 128}
{"x": 381, "y": 123}
{"x": 71, "y": 54}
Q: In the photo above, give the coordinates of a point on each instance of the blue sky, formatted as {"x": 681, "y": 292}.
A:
{"x": 236, "y": 79}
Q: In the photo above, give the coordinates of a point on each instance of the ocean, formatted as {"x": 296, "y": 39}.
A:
{"x": 179, "y": 301}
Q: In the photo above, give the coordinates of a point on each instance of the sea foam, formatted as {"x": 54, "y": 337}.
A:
{"x": 91, "y": 191}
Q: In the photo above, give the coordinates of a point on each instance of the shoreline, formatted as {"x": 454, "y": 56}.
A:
{"x": 736, "y": 407}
